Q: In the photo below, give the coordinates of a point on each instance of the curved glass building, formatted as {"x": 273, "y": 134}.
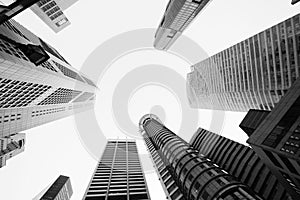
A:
{"x": 196, "y": 176}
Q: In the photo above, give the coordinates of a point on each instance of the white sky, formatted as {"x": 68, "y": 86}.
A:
{"x": 56, "y": 148}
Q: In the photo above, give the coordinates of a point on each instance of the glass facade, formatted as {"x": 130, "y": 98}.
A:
{"x": 61, "y": 189}
{"x": 195, "y": 176}
{"x": 277, "y": 140}
{"x": 119, "y": 174}
{"x": 253, "y": 74}
{"x": 178, "y": 15}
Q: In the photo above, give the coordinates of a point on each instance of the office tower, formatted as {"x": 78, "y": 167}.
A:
{"x": 14, "y": 8}
{"x": 253, "y": 74}
{"x": 252, "y": 120}
{"x": 61, "y": 189}
{"x": 34, "y": 90}
{"x": 277, "y": 140}
{"x": 11, "y": 146}
{"x": 241, "y": 162}
{"x": 183, "y": 167}
{"x": 119, "y": 174}
{"x": 51, "y": 13}
{"x": 178, "y": 15}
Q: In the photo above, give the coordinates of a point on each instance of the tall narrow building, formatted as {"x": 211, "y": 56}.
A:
{"x": 51, "y": 13}
{"x": 178, "y": 15}
{"x": 184, "y": 173}
{"x": 253, "y": 74}
{"x": 61, "y": 189}
{"x": 119, "y": 174}
{"x": 37, "y": 85}
{"x": 241, "y": 162}
{"x": 277, "y": 140}
{"x": 11, "y": 146}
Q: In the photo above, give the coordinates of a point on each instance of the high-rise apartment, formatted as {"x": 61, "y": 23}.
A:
{"x": 37, "y": 85}
{"x": 253, "y": 74}
{"x": 11, "y": 146}
{"x": 178, "y": 15}
{"x": 51, "y": 13}
{"x": 277, "y": 140}
{"x": 241, "y": 162}
{"x": 61, "y": 189}
{"x": 184, "y": 173}
{"x": 119, "y": 174}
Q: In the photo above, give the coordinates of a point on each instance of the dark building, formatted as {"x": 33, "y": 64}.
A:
{"x": 253, "y": 74}
{"x": 277, "y": 140}
{"x": 252, "y": 120}
{"x": 196, "y": 176}
{"x": 119, "y": 174}
{"x": 61, "y": 189}
{"x": 178, "y": 15}
{"x": 241, "y": 162}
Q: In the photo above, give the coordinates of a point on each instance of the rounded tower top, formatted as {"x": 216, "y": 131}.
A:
{"x": 146, "y": 118}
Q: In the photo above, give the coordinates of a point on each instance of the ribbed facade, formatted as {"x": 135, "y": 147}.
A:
{"x": 32, "y": 95}
{"x": 196, "y": 176}
{"x": 241, "y": 162}
{"x": 277, "y": 140}
{"x": 61, "y": 189}
{"x": 119, "y": 174}
{"x": 178, "y": 15}
{"x": 253, "y": 74}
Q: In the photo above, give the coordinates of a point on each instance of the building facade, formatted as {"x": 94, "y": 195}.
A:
{"x": 252, "y": 120}
{"x": 61, "y": 189}
{"x": 31, "y": 94}
{"x": 253, "y": 74}
{"x": 51, "y": 13}
{"x": 119, "y": 174}
{"x": 196, "y": 176}
{"x": 277, "y": 140}
{"x": 11, "y": 146}
{"x": 178, "y": 15}
{"x": 241, "y": 162}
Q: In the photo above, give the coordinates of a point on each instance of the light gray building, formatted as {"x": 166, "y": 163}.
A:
{"x": 35, "y": 90}
{"x": 11, "y": 146}
{"x": 178, "y": 15}
{"x": 119, "y": 174}
{"x": 253, "y": 74}
{"x": 51, "y": 13}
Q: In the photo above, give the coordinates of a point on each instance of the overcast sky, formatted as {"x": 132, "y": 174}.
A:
{"x": 57, "y": 148}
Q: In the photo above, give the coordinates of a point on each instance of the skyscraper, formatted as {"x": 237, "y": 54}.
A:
{"x": 178, "y": 15}
{"x": 253, "y": 74}
{"x": 119, "y": 174}
{"x": 241, "y": 162}
{"x": 277, "y": 140}
{"x": 51, "y": 13}
{"x": 196, "y": 176}
{"x": 34, "y": 92}
{"x": 11, "y": 146}
{"x": 61, "y": 189}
